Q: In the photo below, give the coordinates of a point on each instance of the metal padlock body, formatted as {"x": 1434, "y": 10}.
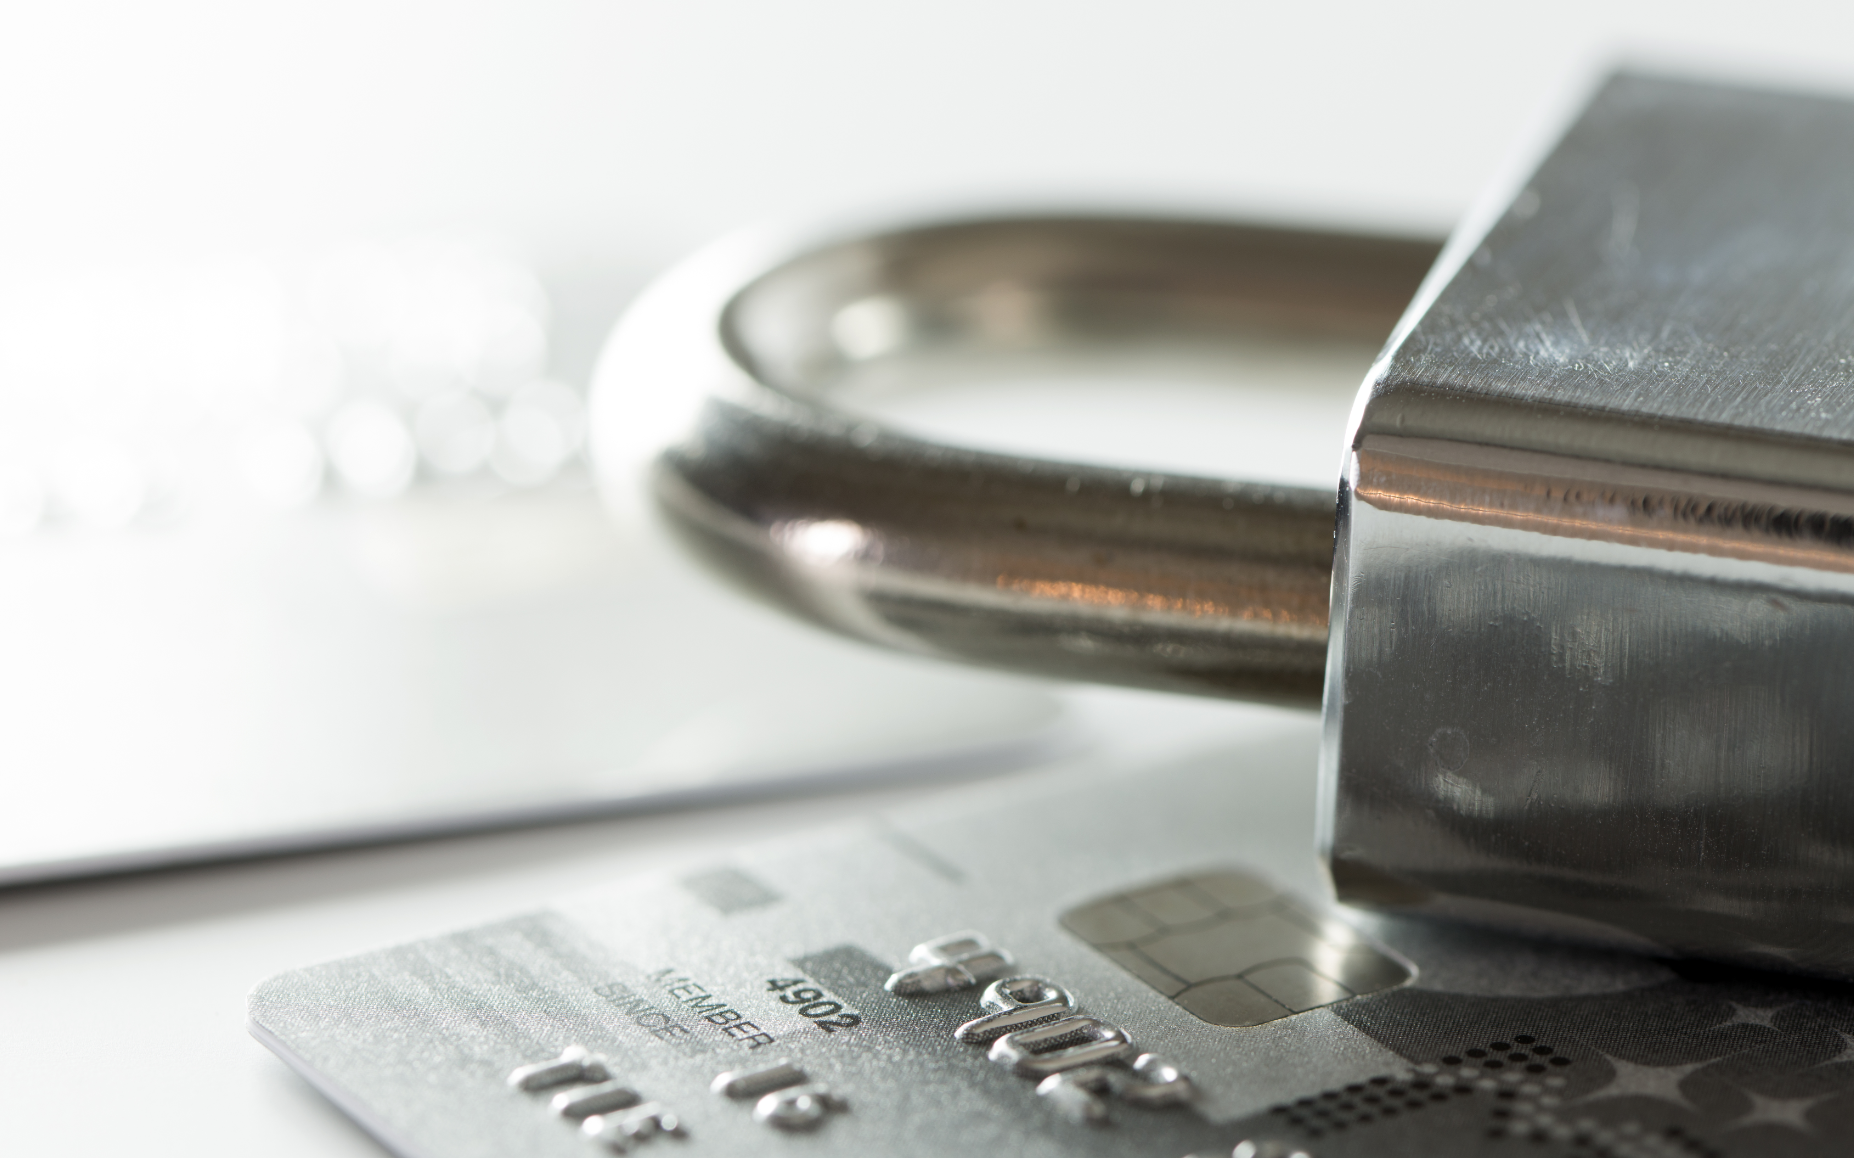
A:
{"x": 1590, "y": 584}
{"x": 1594, "y": 588}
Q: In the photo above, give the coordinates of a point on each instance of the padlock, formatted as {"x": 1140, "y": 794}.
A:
{"x": 1580, "y": 623}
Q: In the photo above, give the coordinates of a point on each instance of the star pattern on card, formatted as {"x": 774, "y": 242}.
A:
{"x": 1787, "y": 1112}
{"x": 1841, "y": 1057}
{"x": 1847, "y": 1050}
{"x": 1764, "y": 1015}
{"x": 1641, "y": 1081}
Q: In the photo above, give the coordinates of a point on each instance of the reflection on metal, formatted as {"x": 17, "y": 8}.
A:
{"x": 1060, "y": 1046}
{"x": 575, "y": 1064}
{"x": 798, "y": 1108}
{"x": 588, "y": 1100}
{"x": 958, "y": 961}
{"x": 1231, "y": 949}
{"x": 740, "y": 1084}
{"x": 1601, "y": 501}
{"x": 1013, "y": 1004}
{"x": 622, "y": 1130}
{"x": 1156, "y": 1083}
{"x": 1081, "y": 1093}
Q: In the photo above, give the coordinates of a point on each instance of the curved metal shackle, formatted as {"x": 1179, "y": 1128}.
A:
{"x": 719, "y": 382}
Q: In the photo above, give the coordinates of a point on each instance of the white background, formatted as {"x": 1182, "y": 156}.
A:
{"x": 619, "y": 130}
{"x": 606, "y": 138}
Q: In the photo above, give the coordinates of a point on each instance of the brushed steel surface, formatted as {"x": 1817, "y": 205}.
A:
{"x": 1122, "y": 576}
{"x": 1596, "y": 548}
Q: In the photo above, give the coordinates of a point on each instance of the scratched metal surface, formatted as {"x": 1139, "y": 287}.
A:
{"x": 1681, "y": 261}
{"x": 1594, "y": 575}
{"x": 1627, "y": 1054}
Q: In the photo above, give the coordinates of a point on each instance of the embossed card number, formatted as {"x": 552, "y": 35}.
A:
{"x": 1035, "y": 1029}
{"x": 823, "y": 1011}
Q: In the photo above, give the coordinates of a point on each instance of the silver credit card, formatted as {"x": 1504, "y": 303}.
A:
{"x": 1094, "y": 961}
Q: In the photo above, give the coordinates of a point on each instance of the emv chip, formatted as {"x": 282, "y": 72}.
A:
{"x": 1232, "y": 949}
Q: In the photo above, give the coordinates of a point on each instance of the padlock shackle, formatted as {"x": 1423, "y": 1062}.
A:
{"x": 1162, "y": 581}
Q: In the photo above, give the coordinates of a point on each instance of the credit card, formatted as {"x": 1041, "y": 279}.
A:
{"x": 1090, "y": 960}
